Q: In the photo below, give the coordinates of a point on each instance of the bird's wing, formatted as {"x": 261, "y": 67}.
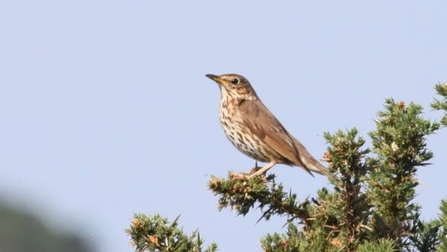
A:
{"x": 264, "y": 124}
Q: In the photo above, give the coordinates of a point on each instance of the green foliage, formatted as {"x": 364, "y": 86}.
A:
{"x": 426, "y": 236}
{"x": 152, "y": 233}
{"x": 441, "y": 89}
{"x": 281, "y": 242}
{"x": 441, "y": 222}
{"x": 241, "y": 194}
{"x": 369, "y": 206}
{"x": 380, "y": 245}
{"x": 399, "y": 143}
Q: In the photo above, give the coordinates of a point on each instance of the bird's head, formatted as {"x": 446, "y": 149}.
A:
{"x": 234, "y": 86}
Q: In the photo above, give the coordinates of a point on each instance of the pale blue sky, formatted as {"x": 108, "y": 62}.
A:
{"x": 106, "y": 110}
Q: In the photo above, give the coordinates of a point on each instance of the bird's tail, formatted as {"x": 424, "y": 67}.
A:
{"x": 311, "y": 164}
{"x": 307, "y": 161}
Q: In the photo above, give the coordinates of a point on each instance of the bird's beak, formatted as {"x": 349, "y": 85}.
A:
{"x": 214, "y": 78}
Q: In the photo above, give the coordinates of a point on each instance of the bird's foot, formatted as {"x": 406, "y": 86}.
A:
{"x": 246, "y": 176}
{"x": 255, "y": 171}
{"x": 239, "y": 175}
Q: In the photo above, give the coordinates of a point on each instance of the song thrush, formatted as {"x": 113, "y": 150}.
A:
{"x": 255, "y": 131}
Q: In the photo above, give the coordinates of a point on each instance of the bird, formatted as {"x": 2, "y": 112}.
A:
{"x": 255, "y": 131}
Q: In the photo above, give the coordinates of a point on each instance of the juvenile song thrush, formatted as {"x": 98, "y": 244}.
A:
{"x": 255, "y": 131}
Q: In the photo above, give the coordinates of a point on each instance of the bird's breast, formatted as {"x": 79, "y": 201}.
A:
{"x": 239, "y": 134}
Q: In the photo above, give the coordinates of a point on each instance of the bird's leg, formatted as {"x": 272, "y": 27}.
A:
{"x": 264, "y": 169}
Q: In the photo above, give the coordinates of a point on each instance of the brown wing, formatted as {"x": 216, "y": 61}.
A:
{"x": 264, "y": 124}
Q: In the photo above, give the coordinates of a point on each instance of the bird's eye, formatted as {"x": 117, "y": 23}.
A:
{"x": 235, "y": 81}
